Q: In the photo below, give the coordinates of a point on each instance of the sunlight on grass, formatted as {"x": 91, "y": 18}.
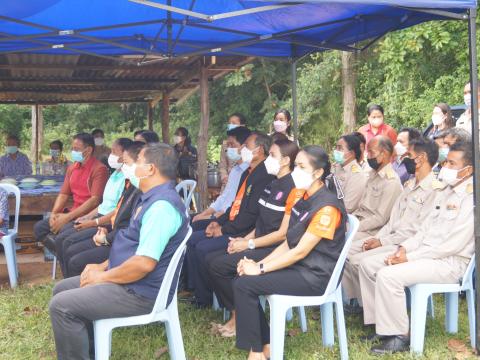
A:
{"x": 25, "y": 333}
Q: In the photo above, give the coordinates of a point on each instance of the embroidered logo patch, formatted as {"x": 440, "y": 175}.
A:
{"x": 279, "y": 195}
{"x": 249, "y": 189}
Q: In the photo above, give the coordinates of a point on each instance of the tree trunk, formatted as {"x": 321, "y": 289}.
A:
{"x": 349, "y": 96}
{"x": 203, "y": 139}
{"x": 165, "y": 117}
{"x": 150, "y": 116}
{"x": 37, "y": 136}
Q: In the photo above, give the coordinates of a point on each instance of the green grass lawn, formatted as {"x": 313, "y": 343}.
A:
{"x": 25, "y": 333}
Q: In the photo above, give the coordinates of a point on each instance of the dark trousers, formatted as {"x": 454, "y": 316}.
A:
{"x": 73, "y": 310}
{"x": 82, "y": 253}
{"x": 200, "y": 224}
{"x": 63, "y": 245}
{"x": 42, "y": 228}
{"x": 222, "y": 269}
{"x": 198, "y": 247}
{"x": 252, "y": 328}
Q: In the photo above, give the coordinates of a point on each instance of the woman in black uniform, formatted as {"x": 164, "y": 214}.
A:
{"x": 270, "y": 229}
{"x": 301, "y": 265}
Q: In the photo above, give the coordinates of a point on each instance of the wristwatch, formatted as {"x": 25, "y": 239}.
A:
{"x": 251, "y": 244}
{"x": 262, "y": 269}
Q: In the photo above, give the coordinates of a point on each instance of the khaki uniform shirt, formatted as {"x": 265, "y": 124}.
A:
{"x": 382, "y": 190}
{"x": 409, "y": 211}
{"x": 448, "y": 230}
{"x": 225, "y": 164}
{"x": 353, "y": 180}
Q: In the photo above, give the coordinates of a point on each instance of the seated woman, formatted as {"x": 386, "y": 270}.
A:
{"x": 187, "y": 154}
{"x": 85, "y": 226}
{"x": 95, "y": 249}
{"x": 276, "y": 202}
{"x": 352, "y": 178}
{"x": 303, "y": 264}
{"x": 271, "y": 206}
{"x": 57, "y": 163}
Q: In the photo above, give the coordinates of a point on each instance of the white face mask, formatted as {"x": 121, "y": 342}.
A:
{"x": 468, "y": 99}
{"x": 177, "y": 139}
{"x": 99, "y": 141}
{"x": 400, "y": 149}
{"x": 113, "y": 162}
{"x": 246, "y": 154}
{"x": 272, "y": 165}
{"x": 449, "y": 176}
{"x": 302, "y": 179}
{"x": 280, "y": 126}
{"x": 437, "y": 119}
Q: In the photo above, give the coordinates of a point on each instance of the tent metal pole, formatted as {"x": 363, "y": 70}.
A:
{"x": 293, "y": 69}
{"x": 472, "y": 42}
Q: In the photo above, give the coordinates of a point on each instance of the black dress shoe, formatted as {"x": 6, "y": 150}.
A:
{"x": 49, "y": 243}
{"x": 392, "y": 344}
{"x": 352, "y": 309}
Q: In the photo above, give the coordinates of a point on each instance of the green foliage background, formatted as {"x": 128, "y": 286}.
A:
{"x": 407, "y": 72}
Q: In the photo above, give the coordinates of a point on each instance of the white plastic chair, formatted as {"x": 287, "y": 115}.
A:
{"x": 188, "y": 187}
{"x": 280, "y": 304}
{"x": 8, "y": 240}
{"x": 420, "y": 293}
{"x": 161, "y": 312}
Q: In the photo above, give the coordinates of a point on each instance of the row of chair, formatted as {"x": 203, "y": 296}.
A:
{"x": 279, "y": 305}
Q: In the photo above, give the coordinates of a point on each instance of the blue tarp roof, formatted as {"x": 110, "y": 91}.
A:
{"x": 92, "y": 26}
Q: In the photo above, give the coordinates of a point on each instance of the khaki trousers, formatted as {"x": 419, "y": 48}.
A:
{"x": 383, "y": 288}
{"x": 350, "y": 281}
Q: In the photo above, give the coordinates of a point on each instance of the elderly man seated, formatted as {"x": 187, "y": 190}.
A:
{"x": 383, "y": 189}
{"x": 14, "y": 163}
{"x": 127, "y": 284}
{"x": 84, "y": 181}
{"x": 438, "y": 253}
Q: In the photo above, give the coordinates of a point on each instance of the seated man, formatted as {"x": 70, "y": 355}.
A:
{"x": 404, "y": 138}
{"x": 238, "y": 220}
{"x": 383, "y": 189}
{"x": 438, "y": 253}
{"x": 127, "y": 284}
{"x": 57, "y": 163}
{"x": 14, "y": 163}
{"x": 410, "y": 210}
{"x": 84, "y": 180}
{"x": 235, "y": 139}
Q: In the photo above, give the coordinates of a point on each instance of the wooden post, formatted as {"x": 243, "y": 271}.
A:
{"x": 203, "y": 138}
{"x": 165, "y": 117}
{"x": 150, "y": 116}
{"x": 349, "y": 96}
{"x": 37, "y": 136}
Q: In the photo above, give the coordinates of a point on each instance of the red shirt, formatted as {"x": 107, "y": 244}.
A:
{"x": 82, "y": 181}
{"x": 384, "y": 130}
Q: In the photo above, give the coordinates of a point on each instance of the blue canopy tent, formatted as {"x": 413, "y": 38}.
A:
{"x": 159, "y": 30}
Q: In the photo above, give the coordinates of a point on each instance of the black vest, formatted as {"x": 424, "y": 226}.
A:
{"x": 272, "y": 205}
{"x": 317, "y": 267}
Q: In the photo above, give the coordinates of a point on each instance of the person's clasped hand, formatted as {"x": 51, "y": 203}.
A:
{"x": 58, "y": 223}
{"x": 100, "y": 237}
{"x": 399, "y": 257}
{"x": 371, "y": 244}
{"x": 237, "y": 244}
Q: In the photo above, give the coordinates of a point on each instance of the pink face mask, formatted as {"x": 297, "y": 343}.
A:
{"x": 280, "y": 126}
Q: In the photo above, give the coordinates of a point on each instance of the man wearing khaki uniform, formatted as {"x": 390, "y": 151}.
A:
{"x": 408, "y": 213}
{"x": 438, "y": 253}
{"x": 383, "y": 189}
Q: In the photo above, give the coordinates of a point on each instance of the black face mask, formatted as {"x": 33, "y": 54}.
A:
{"x": 373, "y": 163}
{"x": 410, "y": 165}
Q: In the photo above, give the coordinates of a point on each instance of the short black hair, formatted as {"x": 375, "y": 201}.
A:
{"x": 150, "y": 136}
{"x": 139, "y": 132}
{"x": 58, "y": 143}
{"x": 458, "y": 134}
{"x": 413, "y": 133}
{"x": 134, "y": 149}
{"x": 124, "y": 142}
{"x": 241, "y": 118}
{"x": 276, "y": 136}
{"x": 360, "y": 137}
{"x": 240, "y": 133}
{"x": 163, "y": 157}
{"x": 86, "y": 139}
{"x": 262, "y": 140}
{"x": 466, "y": 148}
{"x": 14, "y": 137}
{"x": 353, "y": 144}
{"x": 385, "y": 144}
{"x": 98, "y": 132}
{"x": 371, "y": 108}
{"x": 426, "y": 146}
